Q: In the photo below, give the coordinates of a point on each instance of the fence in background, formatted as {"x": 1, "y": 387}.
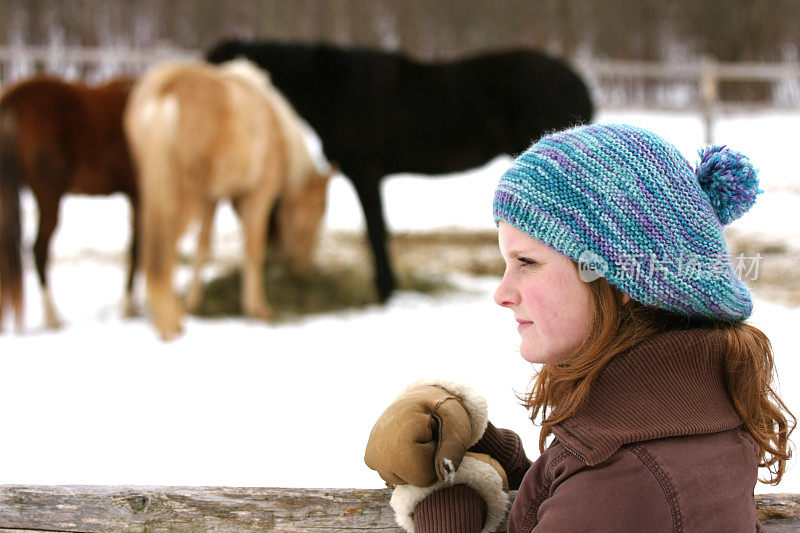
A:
{"x": 123, "y": 509}
{"x": 690, "y": 87}
{"x": 84, "y": 63}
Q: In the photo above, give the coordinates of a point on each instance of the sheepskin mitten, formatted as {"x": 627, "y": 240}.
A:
{"x": 473, "y": 500}
{"x": 423, "y": 435}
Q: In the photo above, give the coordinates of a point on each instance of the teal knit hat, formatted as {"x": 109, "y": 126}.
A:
{"x": 625, "y": 204}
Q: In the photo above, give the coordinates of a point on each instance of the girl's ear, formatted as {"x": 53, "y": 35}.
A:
{"x": 625, "y": 298}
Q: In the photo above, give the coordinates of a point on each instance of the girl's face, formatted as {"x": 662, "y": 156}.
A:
{"x": 553, "y": 307}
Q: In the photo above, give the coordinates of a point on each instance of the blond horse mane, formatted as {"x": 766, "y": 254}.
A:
{"x": 301, "y": 163}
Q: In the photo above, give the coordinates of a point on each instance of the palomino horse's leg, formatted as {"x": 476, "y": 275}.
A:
{"x": 253, "y": 211}
{"x": 195, "y": 293}
{"x": 128, "y": 307}
{"x": 158, "y": 257}
{"x": 162, "y": 226}
{"x": 48, "y": 218}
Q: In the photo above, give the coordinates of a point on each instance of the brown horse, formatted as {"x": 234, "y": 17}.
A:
{"x": 198, "y": 134}
{"x": 57, "y": 138}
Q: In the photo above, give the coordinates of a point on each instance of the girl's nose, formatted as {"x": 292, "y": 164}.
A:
{"x": 505, "y": 295}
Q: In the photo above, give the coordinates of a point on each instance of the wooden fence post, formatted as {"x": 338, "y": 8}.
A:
{"x": 709, "y": 95}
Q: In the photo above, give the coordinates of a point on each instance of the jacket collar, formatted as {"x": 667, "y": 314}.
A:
{"x": 666, "y": 386}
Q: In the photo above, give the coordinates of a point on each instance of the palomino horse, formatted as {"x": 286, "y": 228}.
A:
{"x": 200, "y": 133}
{"x": 57, "y": 138}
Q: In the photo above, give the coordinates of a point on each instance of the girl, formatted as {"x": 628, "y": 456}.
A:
{"x": 656, "y": 391}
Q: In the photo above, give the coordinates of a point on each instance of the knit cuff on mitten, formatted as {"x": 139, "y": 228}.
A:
{"x": 474, "y": 403}
{"x": 456, "y": 509}
{"x": 478, "y": 475}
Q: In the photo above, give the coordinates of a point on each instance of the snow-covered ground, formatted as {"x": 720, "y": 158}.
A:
{"x": 239, "y": 402}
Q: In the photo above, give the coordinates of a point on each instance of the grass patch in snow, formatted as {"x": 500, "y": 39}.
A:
{"x": 342, "y": 275}
{"x": 323, "y": 289}
{"x": 778, "y": 276}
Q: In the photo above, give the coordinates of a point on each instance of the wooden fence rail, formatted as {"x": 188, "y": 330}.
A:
{"x": 90, "y": 508}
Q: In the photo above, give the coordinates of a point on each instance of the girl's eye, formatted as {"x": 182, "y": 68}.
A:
{"x": 524, "y": 261}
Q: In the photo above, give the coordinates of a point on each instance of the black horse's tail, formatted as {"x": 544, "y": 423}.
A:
{"x": 10, "y": 225}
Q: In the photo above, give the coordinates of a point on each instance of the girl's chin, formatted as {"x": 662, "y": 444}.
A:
{"x": 534, "y": 351}
{"x": 533, "y": 356}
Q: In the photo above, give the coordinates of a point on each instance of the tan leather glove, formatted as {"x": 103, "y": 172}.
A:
{"x": 421, "y": 438}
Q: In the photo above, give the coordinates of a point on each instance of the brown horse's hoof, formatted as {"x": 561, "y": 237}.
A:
{"x": 129, "y": 309}
{"x": 53, "y": 322}
{"x": 51, "y": 318}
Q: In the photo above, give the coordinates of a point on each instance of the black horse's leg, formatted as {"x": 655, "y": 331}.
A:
{"x": 128, "y": 308}
{"x": 369, "y": 193}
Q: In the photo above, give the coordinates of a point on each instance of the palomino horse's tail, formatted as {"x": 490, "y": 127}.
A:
{"x": 10, "y": 226}
{"x": 153, "y": 132}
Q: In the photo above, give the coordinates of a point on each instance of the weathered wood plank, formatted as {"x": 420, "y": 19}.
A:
{"x": 93, "y": 509}
{"x": 779, "y": 512}
{"x": 26, "y": 531}
{"x": 219, "y": 509}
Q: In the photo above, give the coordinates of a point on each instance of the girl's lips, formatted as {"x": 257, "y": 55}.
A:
{"x": 523, "y": 324}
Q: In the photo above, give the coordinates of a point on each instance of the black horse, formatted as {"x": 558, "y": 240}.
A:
{"x": 380, "y": 113}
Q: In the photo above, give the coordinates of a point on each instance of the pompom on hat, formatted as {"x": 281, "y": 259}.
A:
{"x": 625, "y": 204}
{"x": 729, "y": 180}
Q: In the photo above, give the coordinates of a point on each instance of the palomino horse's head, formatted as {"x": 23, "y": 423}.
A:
{"x": 299, "y": 216}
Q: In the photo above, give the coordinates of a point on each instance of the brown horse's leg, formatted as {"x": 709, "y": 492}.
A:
{"x": 253, "y": 211}
{"x": 195, "y": 293}
{"x": 11, "y": 277}
{"x": 48, "y": 218}
{"x": 128, "y": 307}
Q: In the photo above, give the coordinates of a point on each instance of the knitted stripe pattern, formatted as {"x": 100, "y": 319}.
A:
{"x": 625, "y": 204}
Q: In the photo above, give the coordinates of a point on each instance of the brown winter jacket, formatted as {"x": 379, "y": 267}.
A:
{"x": 656, "y": 446}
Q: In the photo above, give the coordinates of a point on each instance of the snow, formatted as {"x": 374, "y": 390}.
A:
{"x": 238, "y": 402}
